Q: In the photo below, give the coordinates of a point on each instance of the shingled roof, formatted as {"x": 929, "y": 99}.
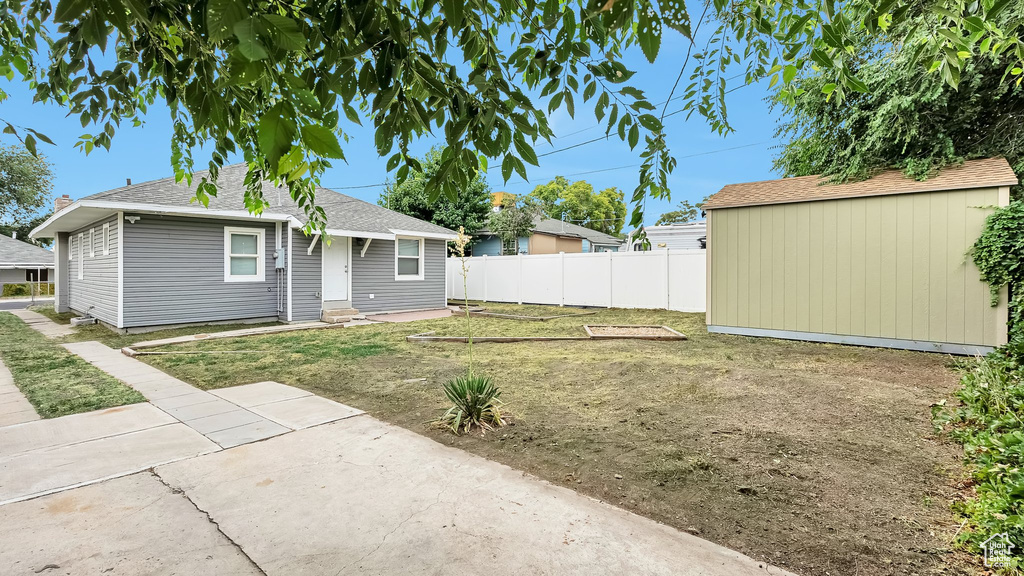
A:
{"x": 985, "y": 173}
{"x": 343, "y": 212}
{"x": 23, "y": 255}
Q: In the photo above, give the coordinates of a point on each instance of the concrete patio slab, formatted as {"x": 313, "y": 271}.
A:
{"x": 80, "y": 428}
{"x": 299, "y": 413}
{"x": 42, "y": 324}
{"x": 249, "y": 395}
{"x": 38, "y": 472}
{"x": 132, "y": 525}
{"x": 196, "y": 397}
{"x": 362, "y": 497}
{"x": 246, "y": 433}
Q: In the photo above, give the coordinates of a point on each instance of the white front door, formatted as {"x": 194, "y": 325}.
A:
{"x": 335, "y": 269}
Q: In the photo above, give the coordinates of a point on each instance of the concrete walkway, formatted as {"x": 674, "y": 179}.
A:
{"x": 14, "y": 407}
{"x": 229, "y": 417}
{"x": 47, "y": 456}
{"x": 410, "y": 316}
{"x": 41, "y": 323}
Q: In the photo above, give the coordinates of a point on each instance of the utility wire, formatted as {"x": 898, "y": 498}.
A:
{"x": 585, "y": 143}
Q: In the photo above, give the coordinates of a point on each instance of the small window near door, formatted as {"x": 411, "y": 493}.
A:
{"x": 81, "y": 256}
{"x": 92, "y": 242}
{"x": 408, "y": 259}
{"x": 243, "y": 255}
{"x": 106, "y": 239}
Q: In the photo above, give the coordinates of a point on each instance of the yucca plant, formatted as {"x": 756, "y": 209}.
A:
{"x": 475, "y": 402}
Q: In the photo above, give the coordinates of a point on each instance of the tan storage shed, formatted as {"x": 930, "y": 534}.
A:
{"x": 881, "y": 262}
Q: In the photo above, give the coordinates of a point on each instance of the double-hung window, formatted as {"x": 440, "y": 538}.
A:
{"x": 244, "y": 254}
{"x": 408, "y": 258}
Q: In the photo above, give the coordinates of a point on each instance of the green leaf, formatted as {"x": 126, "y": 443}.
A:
{"x": 453, "y": 12}
{"x": 275, "y": 134}
{"x": 634, "y": 136}
{"x": 285, "y": 32}
{"x": 68, "y": 10}
{"x": 506, "y": 167}
{"x": 648, "y": 31}
{"x": 321, "y": 141}
{"x": 650, "y": 122}
{"x": 524, "y": 149}
{"x": 221, "y": 18}
{"x": 249, "y": 44}
{"x": 788, "y": 74}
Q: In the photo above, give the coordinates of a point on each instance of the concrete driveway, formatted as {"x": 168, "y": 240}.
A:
{"x": 21, "y": 304}
{"x": 134, "y": 491}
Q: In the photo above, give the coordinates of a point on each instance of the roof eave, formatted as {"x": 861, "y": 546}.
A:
{"x": 102, "y": 208}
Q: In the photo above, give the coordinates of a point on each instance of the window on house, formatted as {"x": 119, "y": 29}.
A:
{"x": 81, "y": 256}
{"x": 408, "y": 259}
{"x": 92, "y": 242}
{"x": 243, "y": 255}
{"x": 106, "y": 239}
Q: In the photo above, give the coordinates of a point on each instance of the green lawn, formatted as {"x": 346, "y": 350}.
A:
{"x": 55, "y": 381}
{"x": 820, "y": 458}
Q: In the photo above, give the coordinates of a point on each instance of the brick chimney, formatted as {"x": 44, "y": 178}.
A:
{"x": 61, "y": 203}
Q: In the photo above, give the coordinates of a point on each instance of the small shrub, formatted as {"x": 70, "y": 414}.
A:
{"x": 990, "y": 424}
{"x": 475, "y": 402}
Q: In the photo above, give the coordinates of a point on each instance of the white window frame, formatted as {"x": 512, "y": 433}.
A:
{"x": 81, "y": 256}
{"x": 105, "y": 238}
{"x": 92, "y": 242}
{"x": 71, "y": 248}
{"x": 408, "y": 277}
{"x": 261, "y": 262}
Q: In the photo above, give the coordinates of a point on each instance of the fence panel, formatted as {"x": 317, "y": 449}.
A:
{"x": 672, "y": 279}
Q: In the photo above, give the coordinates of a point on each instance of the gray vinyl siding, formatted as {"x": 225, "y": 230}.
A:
{"x": 374, "y": 274}
{"x": 306, "y": 284}
{"x": 96, "y": 293}
{"x": 174, "y": 273}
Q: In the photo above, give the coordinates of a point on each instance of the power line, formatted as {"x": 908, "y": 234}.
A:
{"x": 585, "y": 143}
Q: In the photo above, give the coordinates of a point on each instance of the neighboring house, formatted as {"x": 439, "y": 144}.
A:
{"x": 549, "y": 237}
{"x": 880, "y": 262}
{"x": 21, "y": 262}
{"x": 688, "y": 236}
{"x": 144, "y": 255}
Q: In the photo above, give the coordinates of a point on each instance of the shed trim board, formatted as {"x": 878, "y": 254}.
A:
{"x": 923, "y": 346}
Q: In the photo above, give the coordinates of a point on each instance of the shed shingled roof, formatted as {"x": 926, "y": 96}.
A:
{"x": 985, "y": 173}
{"x": 17, "y": 252}
{"x": 343, "y": 212}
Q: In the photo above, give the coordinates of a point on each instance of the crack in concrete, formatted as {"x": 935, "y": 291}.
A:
{"x": 437, "y": 500}
{"x": 210, "y": 519}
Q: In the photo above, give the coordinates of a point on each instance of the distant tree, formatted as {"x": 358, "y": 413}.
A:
{"x": 26, "y": 181}
{"x": 684, "y": 212}
{"x": 576, "y": 202}
{"x": 469, "y": 210}
{"x": 21, "y": 230}
{"x": 514, "y": 221}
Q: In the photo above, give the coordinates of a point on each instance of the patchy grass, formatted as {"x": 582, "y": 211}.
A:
{"x": 820, "y": 458}
{"x": 55, "y": 381}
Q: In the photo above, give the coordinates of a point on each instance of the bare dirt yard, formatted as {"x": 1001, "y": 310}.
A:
{"x": 818, "y": 458}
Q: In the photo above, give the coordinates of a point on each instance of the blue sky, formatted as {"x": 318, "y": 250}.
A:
{"x": 143, "y": 153}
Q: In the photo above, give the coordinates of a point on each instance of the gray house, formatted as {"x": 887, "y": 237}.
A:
{"x": 144, "y": 255}
{"x": 21, "y": 262}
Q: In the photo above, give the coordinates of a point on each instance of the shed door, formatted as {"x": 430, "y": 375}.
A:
{"x": 335, "y": 269}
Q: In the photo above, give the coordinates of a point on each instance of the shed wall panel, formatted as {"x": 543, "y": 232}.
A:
{"x": 892, "y": 267}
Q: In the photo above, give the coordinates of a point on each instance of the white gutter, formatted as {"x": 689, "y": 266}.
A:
{"x": 356, "y": 234}
{"x": 162, "y": 209}
{"x": 18, "y": 266}
{"x": 430, "y": 235}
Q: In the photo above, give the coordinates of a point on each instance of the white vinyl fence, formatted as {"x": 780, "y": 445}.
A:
{"x": 668, "y": 279}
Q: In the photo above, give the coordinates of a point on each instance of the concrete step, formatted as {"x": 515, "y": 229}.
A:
{"x": 338, "y": 316}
